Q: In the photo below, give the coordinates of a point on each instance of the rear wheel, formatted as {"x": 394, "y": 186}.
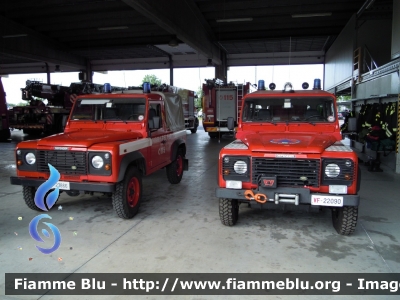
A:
{"x": 196, "y": 124}
{"x": 175, "y": 168}
{"x": 127, "y": 195}
{"x": 228, "y": 211}
{"x": 28, "y": 193}
{"x": 344, "y": 219}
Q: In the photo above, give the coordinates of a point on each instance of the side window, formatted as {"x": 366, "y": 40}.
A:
{"x": 155, "y": 110}
{"x": 247, "y": 112}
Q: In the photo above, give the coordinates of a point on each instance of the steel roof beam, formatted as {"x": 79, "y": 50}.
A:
{"x": 20, "y": 41}
{"x": 182, "y": 19}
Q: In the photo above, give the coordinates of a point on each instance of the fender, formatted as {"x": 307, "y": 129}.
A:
{"x": 175, "y": 146}
{"x": 127, "y": 160}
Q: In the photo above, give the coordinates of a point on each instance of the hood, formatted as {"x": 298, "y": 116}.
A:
{"x": 288, "y": 142}
{"x": 87, "y": 138}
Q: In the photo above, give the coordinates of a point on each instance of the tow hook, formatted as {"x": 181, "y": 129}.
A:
{"x": 260, "y": 198}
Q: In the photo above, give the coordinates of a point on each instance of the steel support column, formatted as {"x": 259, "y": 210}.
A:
{"x": 171, "y": 70}
{"x": 221, "y": 71}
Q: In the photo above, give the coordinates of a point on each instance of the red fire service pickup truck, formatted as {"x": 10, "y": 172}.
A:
{"x": 110, "y": 141}
{"x": 288, "y": 150}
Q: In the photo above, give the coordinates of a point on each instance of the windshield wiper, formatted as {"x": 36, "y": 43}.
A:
{"x": 263, "y": 121}
{"x": 310, "y": 122}
{"x": 115, "y": 118}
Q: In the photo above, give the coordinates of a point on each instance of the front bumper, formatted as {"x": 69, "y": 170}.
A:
{"x": 102, "y": 187}
{"x": 283, "y": 195}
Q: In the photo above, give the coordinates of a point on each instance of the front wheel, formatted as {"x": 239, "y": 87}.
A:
{"x": 228, "y": 211}
{"x": 175, "y": 168}
{"x": 127, "y": 195}
{"x": 28, "y": 193}
{"x": 344, "y": 219}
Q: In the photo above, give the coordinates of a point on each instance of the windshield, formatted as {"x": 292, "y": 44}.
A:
{"x": 126, "y": 109}
{"x": 289, "y": 109}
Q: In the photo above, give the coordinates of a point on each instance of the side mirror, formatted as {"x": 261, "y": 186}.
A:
{"x": 154, "y": 123}
{"x": 231, "y": 123}
{"x": 352, "y": 124}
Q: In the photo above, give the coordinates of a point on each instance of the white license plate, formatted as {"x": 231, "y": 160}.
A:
{"x": 62, "y": 185}
{"x": 327, "y": 200}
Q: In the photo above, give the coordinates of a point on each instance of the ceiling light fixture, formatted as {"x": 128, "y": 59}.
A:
{"x": 234, "y": 20}
{"x": 113, "y": 28}
{"x": 324, "y": 14}
{"x": 173, "y": 43}
{"x": 14, "y": 35}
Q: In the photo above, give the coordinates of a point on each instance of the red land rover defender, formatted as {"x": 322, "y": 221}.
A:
{"x": 288, "y": 150}
{"x": 110, "y": 141}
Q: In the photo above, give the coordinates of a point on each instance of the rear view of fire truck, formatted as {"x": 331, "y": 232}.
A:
{"x": 38, "y": 117}
{"x": 221, "y": 101}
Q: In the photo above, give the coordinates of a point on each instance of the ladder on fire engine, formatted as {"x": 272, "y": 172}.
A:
{"x": 239, "y": 100}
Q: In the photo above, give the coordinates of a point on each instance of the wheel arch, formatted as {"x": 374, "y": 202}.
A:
{"x": 132, "y": 159}
{"x": 178, "y": 144}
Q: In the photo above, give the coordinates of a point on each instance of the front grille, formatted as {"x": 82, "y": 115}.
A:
{"x": 66, "y": 162}
{"x": 289, "y": 172}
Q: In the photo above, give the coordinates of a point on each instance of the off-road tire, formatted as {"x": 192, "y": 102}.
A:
{"x": 344, "y": 219}
{"x": 228, "y": 211}
{"x": 196, "y": 124}
{"x": 128, "y": 194}
{"x": 175, "y": 168}
{"x": 28, "y": 193}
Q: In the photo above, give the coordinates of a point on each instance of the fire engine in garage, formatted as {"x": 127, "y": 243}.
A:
{"x": 38, "y": 117}
{"x": 221, "y": 101}
{"x": 111, "y": 140}
{"x": 288, "y": 151}
{"x": 4, "y": 125}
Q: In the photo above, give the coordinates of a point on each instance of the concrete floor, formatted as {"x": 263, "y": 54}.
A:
{"x": 178, "y": 230}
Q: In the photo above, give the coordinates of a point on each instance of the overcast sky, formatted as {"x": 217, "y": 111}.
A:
{"x": 189, "y": 78}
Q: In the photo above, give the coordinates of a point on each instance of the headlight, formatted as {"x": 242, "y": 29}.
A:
{"x": 332, "y": 170}
{"x": 30, "y": 158}
{"x": 97, "y": 162}
{"x": 240, "y": 167}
